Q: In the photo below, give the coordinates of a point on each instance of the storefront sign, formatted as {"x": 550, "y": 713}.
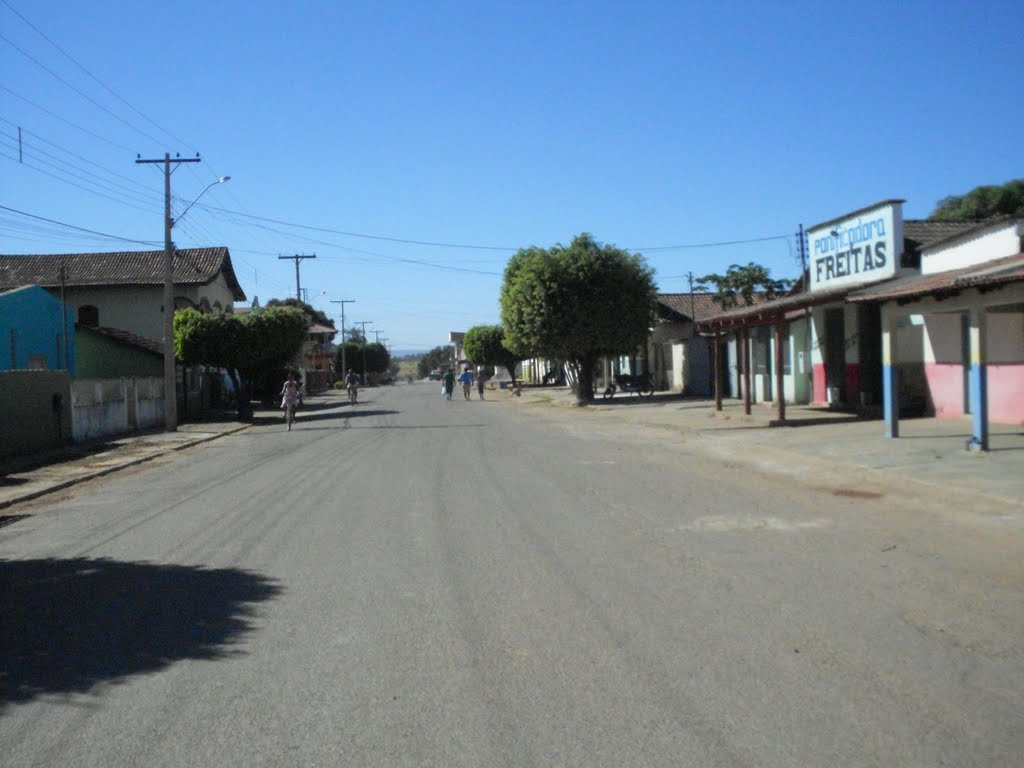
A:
{"x": 863, "y": 248}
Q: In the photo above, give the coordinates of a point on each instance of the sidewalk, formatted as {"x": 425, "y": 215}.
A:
{"x": 23, "y": 478}
{"x": 816, "y": 441}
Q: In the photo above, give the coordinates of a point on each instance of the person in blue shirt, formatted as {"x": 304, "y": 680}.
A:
{"x": 466, "y": 380}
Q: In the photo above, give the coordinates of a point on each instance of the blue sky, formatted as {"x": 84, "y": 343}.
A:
{"x": 652, "y": 125}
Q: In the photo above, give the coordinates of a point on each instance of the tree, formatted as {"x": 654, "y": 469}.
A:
{"x": 577, "y": 303}
{"x": 315, "y": 315}
{"x": 376, "y": 356}
{"x": 743, "y": 283}
{"x": 982, "y": 202}
{"x": 485, "y": 345}
{"x": 247, "y": 346}
{"x": 438, "y": 357}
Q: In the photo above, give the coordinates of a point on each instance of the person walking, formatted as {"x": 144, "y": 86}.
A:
{"x": 448, "y": 383}
{"x": 466, "y": 380}
{"x": 290, "y": 394}
{"x": 480, "y": 384}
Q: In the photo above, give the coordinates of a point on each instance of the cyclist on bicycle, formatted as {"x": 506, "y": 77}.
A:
{"x": 352, "y": 385}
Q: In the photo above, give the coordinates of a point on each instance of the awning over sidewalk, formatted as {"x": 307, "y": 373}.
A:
{"x": 945, "y": 284}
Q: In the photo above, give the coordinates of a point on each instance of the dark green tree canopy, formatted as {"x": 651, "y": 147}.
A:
{"x": 741, "y": 284}
{"x": 982, "y": 202}
{"x": 377, "y": 358}
{"x": 314, "y": 314}
{"x": 485, "y": 345}
{"x": 577, "y": 303}
{"x": 438, "y": 357}
{"x": 247, "y": 346}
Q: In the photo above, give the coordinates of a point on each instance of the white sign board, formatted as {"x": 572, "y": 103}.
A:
{"x": 862, "y": 248}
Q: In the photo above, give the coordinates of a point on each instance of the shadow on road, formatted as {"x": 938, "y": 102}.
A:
{"x": 69, "y": 625}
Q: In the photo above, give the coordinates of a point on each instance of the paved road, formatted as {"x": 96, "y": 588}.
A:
{"x": 420, "y": 583}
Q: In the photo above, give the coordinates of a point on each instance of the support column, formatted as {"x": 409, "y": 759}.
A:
{"x": 745, "y": 357}
{"x": 890, "y": 392}
{"x": 718, "y": 371}
{"x": 780, "y": 392}
{"x": 979, "y": 379}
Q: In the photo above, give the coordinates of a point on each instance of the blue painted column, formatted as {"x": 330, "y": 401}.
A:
{"x": 890, "y": 392}
{"x": 979, "y": 380}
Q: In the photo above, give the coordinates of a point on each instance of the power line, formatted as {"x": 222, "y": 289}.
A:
{"x": 38, "y": 137}
{"x": 65, "y": 120}
{"x": 717, "y": 244}
{"x": 77, "y": 229}
{"x": 73, "y": 184}
{"x": 89, "y": 177}
{"x": 328, "y": 230}
{"x": 74, "y": 61}
{"x": 81, "y": 93}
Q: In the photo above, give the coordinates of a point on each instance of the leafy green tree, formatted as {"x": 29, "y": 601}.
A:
{"x": 314, "y": 314}
{"x": 438, "y": 357}
{"x": 743, "y": 284}
{"x": 247, "y": 346}
{"x": 376, "y": 356}
{"x": 485, "y": 345}
{"x": 577, "y": 304}
{"x": 353, "y": 358}
{"x": 982, "y": 202}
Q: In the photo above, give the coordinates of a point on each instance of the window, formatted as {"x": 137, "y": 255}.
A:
{"x": 89, "y": 316}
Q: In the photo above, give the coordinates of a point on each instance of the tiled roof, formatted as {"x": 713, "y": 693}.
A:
{"x": 315, "y": 327}
{"x": 920, "y": 233}
{"x": 996, "y": 272}
{"x": 693, "y": 306}
{"x": 192, "y": 266}
{"x": 126, "y": 338}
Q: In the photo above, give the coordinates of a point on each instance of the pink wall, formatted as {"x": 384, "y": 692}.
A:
{"x": 819, "y": 395}
{"x": 945, "y": 389}
{"x": 1006, "y": 393}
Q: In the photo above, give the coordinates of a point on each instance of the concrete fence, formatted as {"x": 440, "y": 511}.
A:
{"x": 102, "y": 407}
{"x": 35, "y": 412}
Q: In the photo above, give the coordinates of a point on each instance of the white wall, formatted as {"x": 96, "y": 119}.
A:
{"x": 137, "y": 309}
{"x": 101, "y": 407}
{"x": 974, "y": 249}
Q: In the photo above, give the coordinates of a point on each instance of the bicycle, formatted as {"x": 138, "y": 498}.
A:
{"x": 289, "y": 415}
{"x": 638, "y": 384}
{"x": 353, "y": 393}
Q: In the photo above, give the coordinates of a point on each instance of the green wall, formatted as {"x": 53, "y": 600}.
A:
{"x": 101, "y": 357}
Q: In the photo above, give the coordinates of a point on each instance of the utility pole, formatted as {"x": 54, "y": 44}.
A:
{"x": 343, "y": 302}
{"x": 693, "y": 318}
{"x": 805, "y": 278}
{"x": 170, "y": 379}
{"x": 376, "y": 336}
{"x": 364, "y": 323}
{"x": 298, "y": 257}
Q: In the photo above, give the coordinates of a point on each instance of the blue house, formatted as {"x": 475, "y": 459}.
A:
{"x": 33, "y": 335}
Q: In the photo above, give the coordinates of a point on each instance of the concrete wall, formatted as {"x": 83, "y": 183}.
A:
{"x": 35, "y": 411}
{"x": 104, "y": 407}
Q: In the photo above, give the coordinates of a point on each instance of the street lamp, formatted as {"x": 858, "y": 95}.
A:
{"x": 221, "y": 180}
{"x": 170, "y": 383}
